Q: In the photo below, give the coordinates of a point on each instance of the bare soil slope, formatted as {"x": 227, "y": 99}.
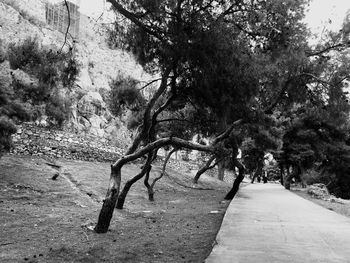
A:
{"x": 45, "y": 220}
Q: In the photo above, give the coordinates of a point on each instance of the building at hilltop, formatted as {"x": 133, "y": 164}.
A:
{"x": 61, "y": 17}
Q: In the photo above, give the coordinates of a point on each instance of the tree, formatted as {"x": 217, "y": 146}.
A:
{"x": 228, "y": 58}
{"x": 317, "y": 119}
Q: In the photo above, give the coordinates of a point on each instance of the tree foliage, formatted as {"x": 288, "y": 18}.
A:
{"x": 227, "y": 62}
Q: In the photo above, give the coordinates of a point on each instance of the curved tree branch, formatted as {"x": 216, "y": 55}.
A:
{"x": 174, "y": 141}
{"x": 149, "y": 83}
{"x": 133, "y": 18}
{"x": 147, "y": 114}
{"x": 227, "y": 132}
{"x": 164, "y": 166}
{"x": 145, "y": 169}
{"x": 284, "y": 89}
{"x": 67, "y": 30}
{"x": 327, "y": 49}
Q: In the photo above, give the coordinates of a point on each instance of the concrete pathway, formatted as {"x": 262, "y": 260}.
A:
{"x": 266, "y": 223}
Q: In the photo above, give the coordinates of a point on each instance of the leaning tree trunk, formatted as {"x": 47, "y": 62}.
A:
{"x": 287, "y": 179}
{"x": 295, "y": 174}
{"x": 111, "y": 199}
{"x": 221, "y": 170}
{"x": 150, "y": 187}
{"x": 257, "y": 172}
{"x": 129, "y": 183}
{"x": 106, "y": 213}
{"x": 230, "y": 195}
{"x": 281, "y": 174}
{"x": 205, "y": 168}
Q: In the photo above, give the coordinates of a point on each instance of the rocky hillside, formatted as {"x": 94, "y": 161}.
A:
{"x": 98, "y": 64}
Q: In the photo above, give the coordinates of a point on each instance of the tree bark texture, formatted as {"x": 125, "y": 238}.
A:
{"x": 230, "y": 195}
{"x": 148, "y": 186}
{"x": 147, "y": 118}
{"x": 287, "y": 179}
{"x": 281, "y": 174}
{"x": 257, "y": 172}
{"x": 221, "y": 170}
{"x": 296, "y": 171}
{"x": 129, "y": 183}
{"x": 202, "y": 170}
{"x": 106, "y": 213}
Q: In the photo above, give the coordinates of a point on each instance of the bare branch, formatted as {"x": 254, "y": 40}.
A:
{"x": 147, "y": 114}
{"x": 151, "y": 131}
{"x": 164, "y": 166}
{"x": 174, "y": 119}
{"x": 150, "y": 83}
{"x": 67, "y": 30}
{"x": 327, "y": 49}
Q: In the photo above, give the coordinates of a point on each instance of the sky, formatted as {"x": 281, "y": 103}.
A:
{"x": 326, "y": 13}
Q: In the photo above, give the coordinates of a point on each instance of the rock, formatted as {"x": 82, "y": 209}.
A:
{"x": 42, "y": 121}
{"x": 5, "y": 73}
{"x": 97, "y": 125}
{"x": 318, "y": 191}
{"x": 8, "y": 14}
{"x": 334, "y": 199}
{"x": 91, "y": 103}
{"x": 24, "y": 78}
{"x": 84, "y": 80}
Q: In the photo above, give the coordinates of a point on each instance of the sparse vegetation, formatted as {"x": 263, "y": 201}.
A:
{"x": 49, "y": 72}
{"x": 54, "y": 72}
{"x": 12, "y": 110}
{"x": 125, "y": 95}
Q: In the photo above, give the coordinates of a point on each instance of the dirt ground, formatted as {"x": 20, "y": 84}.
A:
{"x": 45, "y": 220}
{"x": 342, "y": 208}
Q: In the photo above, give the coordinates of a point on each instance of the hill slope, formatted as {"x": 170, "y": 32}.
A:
{"x": 45, "y": 220}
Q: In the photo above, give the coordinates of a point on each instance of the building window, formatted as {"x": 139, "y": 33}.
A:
{"x": 57, "y": 18}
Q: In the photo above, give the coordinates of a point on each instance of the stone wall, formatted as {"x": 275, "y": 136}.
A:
{"x": 37, "y": 141}
{"x": 34, "y": 140}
